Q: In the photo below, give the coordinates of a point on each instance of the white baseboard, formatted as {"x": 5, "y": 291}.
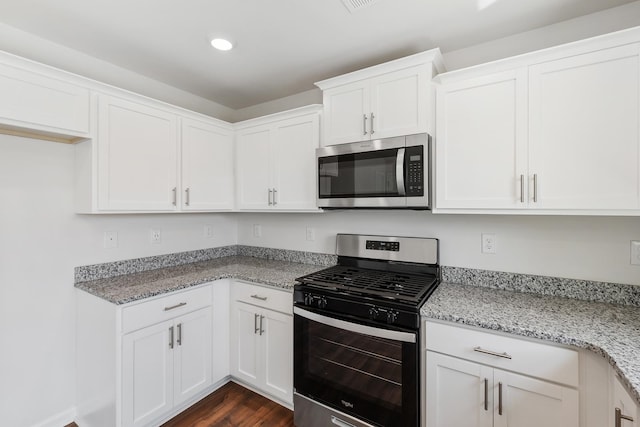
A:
{"x": 59, "y": 420}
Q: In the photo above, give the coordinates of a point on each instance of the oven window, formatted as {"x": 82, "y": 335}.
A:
{"x": 372, "y": 378}
{"x": 370, "y": 174}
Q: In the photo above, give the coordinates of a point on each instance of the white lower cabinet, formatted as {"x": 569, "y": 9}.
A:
{"x": 485, "y": 380}
{"x": 262, "y": 340}
{"x": 143, "y": 363}
{"x": 625, "y": 412}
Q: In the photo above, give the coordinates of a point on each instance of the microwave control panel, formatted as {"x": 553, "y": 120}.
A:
{"x": 414, "y": 166}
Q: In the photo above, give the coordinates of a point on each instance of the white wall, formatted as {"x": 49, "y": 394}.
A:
{"x": 41, "y": 241}
{"x": 591, "y": 248}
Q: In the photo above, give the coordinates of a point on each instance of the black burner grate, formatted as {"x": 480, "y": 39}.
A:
{"x": 390, "y": 285}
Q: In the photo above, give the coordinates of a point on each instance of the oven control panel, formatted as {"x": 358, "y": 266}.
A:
{"x": 311, "y": 300}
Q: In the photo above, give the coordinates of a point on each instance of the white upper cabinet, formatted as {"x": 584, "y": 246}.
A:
{"x": 207, "y": 167}
{"x": 38, "y": 102}
{"x": 138, "y": 156}
{"x": 552, "y": 132}
{"x": 481, "y": 142}
{"x": 383, "y": 101}
{"x": 275, "y": 161}
{"x": 584, "y": 142}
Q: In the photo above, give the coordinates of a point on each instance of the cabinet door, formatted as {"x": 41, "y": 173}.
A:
{"x": 252, "y": 148}
{"x": 147, "y": 374}
{"x": 277, "y": 341}
{"x": 458, "y": 392}
{"x": 584, "y": 121}
{"x": 528, "y": 402}
{"x": 627, "y": 405}
{"x": 245, "y": 343}
{"x": 192, "y": 372}
{"x": 137, "y": 157}
{"x": 346, "y": 113}
{"x": 399, "y": 103}
{"x": 480, "y": 142}
{"x": 207, "y": 167}
{"x": 294, "y": 170}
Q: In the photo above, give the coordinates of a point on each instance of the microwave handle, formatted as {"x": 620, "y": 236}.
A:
{"x": 400, "y": 172}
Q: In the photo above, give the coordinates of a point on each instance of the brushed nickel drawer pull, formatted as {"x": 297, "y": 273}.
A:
{"x": 492, "y": 353}
{"x": 620, "y": 417}
{"x": 182, "y": 304}
{"x": 256, "y": 296}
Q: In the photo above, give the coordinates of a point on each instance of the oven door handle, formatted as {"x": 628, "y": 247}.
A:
{"x": 355, "y": 327}
{"x": 400, "y": 172}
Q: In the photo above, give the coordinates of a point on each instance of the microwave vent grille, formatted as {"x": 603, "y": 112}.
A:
{"x": 355, "y": 5}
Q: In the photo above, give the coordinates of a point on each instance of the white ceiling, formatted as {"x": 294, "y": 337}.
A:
{"x": 282, "y": 46}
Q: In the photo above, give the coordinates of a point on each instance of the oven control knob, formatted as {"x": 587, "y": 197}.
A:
{"x": 322, "y": 302}
{"x": 373, "y": 313}
{"x": 391, "y": 316}
{"x": 308, "y": 299}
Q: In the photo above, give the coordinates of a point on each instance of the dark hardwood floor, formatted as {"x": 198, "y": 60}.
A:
{"x": 232, "y": 406}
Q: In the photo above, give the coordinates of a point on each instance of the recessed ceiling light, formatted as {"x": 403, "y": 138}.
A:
{"x": 221, "y": 44}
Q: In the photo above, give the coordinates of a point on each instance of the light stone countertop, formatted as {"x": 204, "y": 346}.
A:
{"x": 610, "y": 330}
{"x": 132, "y": 287}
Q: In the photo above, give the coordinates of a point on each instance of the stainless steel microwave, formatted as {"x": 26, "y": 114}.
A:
{"x": 382, "y": 173}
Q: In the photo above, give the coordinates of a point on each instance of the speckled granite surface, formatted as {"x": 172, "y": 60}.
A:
{"x": 132, "y": 287}
{"x": 610, "y": 330}
{"x": 544, "y": 285}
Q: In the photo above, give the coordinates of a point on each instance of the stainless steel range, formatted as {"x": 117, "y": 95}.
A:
{"x": 356, "y": 333}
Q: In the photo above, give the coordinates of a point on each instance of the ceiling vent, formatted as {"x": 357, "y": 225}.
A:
{"x": 356, "y": 5}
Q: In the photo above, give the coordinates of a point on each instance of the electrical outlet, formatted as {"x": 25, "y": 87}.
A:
{"x": 635, "y": 252}
{"x": 156, "y": 236}
{"x": 488, "y": 243}
{"x": 311, "y": 234}
{"x": 110, "y": 239}
{"x": 208, "y": 231}
{"x": 257, "y": 230}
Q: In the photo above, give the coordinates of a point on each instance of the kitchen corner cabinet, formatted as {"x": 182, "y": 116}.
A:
{"x": 262, "y": 340}
{"x": 148, "y": 158}
{"x": 555, "y": 131}
{"x": 624, "y": 411}
{"x": 142, "y": 363}
{"x": 42, "y": 102}
{"x": 275, "y": 161}
{"x": 387, "y": 100}
{"x": 478, "y": 379}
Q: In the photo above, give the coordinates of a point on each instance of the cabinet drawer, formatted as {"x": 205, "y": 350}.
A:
{"x": 263, "y": 296}
{"x": 518, "y": 355}
{"x": 164, "y": 308}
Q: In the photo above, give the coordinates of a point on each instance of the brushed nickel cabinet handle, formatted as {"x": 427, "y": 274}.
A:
{"x": 256, "y": 296}
{"x": 521, "y": 188}
{"x": 535, "y": 188}
{"x": 181, "y": 304}
{"x": 372, "y": 117}
{"x": 171, "y": 337}
{"x": 620, "y": 416}
{"x": 255, "y": 323}
{"x": 179, "y": 333}
{"x": 188, "y": 194}
{"x": 492, "y": 353}
{"x": 275, "y": 197}
{"x": 499, "y": 398}
{"x": 175, "y": 195}
{"x": 364, "y": 124}
{"x": 261, "y": 328}
{"x": 270, "y": 196}
{"x": 486, "y": 394}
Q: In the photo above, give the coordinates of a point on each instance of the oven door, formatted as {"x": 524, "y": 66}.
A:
{"x": 370, "y": 373}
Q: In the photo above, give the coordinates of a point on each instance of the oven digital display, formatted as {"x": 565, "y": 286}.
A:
{"x": 377, "y": 245}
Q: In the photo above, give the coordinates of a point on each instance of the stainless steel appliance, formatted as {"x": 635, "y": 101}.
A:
{"x": 356, "y": 333}
{"x": 383, "y": 173}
